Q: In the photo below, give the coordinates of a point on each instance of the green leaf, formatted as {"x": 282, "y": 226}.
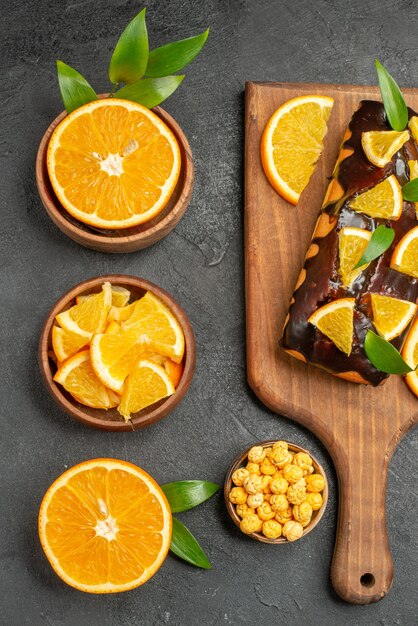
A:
{"x": 393, "y": 100}
{"x": 380, "y": 241}
{"x": 384, "y": 356}
{"x": 185, "y": 546}
{"x": 130, "y": 57}
{"x": 150, "y": 91}
{"x": 75, "y": 90}
{"x": 186, "y": 494}
{"x": 410, "y": 191}
{"x": 172, "y": 57}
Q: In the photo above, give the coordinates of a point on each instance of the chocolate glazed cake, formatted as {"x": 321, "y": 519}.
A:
{"x": 319, "y": 281}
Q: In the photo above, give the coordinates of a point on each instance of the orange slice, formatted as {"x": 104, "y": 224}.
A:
{"x": 105, "y": 526}
{"x": 113, "y": 163}
{"x": 382, "y": 201}
{"x": 413, "y": 127}
{"x": 120, "y": 296}
{"x": 89, "y": 316}
{"x": 174, "y": 370}
{"x": 410, "y": 354}
{"x": 153, "y": 320}
{"x": 77, "y": 376}
{"x": 65, "y": 343}
{"x": 146, "y": 384}
{"x": 391, "y": 316}
{"x": 380, "y": 145}
{"x": 405, "y": 256}
{"x": 292, "y": 143}
{"x": 114, "y": 354}
{"x": 352, "y": 244}
{"x": 335, "y": 320}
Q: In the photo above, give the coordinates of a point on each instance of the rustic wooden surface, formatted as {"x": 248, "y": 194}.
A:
{"x": 126, "y": 239}
{"x": 110, "y": 419}
{"x": 359, "y": 425}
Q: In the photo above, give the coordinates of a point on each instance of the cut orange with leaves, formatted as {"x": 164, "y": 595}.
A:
{"x": 405, "y": 256}
{"x": 89, "y": 316}
{"x": 113, "y": 163}
{"x": 105, "y": 526}
{"x": 382, "y": 201}
{"x": 66, "y": 343}
{"x": 120, "y": 296}
{"x": 391, "y": 316}
{"x": 352, "y": 244}
{"x": 380, "y": 145}
{"x": 410, "y": 355}
{"x": 292, "y": 143}
{"x": 152, "y": 319}
{"x": 77, "y": 376}
{"x": 146, "y": 384}
{"x": 335, "y": 320}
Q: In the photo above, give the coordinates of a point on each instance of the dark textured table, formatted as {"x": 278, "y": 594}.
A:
{"x": 201, "y": 264}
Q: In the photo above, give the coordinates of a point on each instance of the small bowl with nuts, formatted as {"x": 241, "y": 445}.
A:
{"x": 276, "y": 492}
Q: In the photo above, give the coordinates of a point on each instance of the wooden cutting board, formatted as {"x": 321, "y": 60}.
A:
{"x": 360, "y": 425}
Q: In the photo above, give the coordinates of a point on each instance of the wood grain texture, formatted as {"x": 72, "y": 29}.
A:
{"x": 360, "y": 425}
{"x": 241, "y": 460}
{"x": 111, "y": 419}
{"x": 126, "y": 239}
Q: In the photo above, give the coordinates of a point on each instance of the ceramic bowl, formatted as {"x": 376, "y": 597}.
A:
{"x": 110, "y": 419}
{"x": 127, "y": 239}
{"x": 241, "y": 460}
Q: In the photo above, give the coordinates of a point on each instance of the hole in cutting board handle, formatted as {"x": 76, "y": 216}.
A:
{"x": 367, "y": 580}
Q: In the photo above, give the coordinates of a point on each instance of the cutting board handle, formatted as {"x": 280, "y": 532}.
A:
{"x": 362, "y": 566}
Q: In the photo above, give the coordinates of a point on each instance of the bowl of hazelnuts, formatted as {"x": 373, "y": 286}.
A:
{"x": 276, "y": 492}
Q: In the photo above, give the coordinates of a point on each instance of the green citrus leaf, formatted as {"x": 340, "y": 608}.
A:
{"x": 410, "y": 191}
{"x": 185, "y": 546}
{"x": 384, "y": 356}
{"x": 380, "y": 241}
{"x": 186, "y": 494}
{"x": 75, "y": 90}
{"x": 393, "y": 100}
{"x": 130, "y": 57}
{"x": 150, "y": 91}
{"x": 172, "y": 57}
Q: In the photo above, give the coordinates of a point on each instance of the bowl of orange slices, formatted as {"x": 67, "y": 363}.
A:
{"x": 117, "y": 352}
{"x": 115, "y": 176}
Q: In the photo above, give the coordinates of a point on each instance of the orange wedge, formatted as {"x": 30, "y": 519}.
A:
{"x": 410, "y": 354}
{"x": 77, "y": 376}
{"x": 292, "y": 143}
{"x": 153, "y": 320}
{"x": 380, "y": 145}
{"x": 120, "y": 296}
{"x": 335, "y": 320}
{"x": 352, "y": 244}
{"x": 383, "y": 201}
{"x": 113, "y": 163}
{"x": 89, "y": 316}
{"x": 391, "y": 316}
{"x": 405, "y": 256}
{"x": 146, "y": 384}
{"x": 105, "y": 526}
{"x": 65, "y": 343}
{"x": 174, "y": 370}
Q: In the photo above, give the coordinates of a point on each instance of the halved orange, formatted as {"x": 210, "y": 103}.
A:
{"x": 146, "y": 384}
{"x": 77, "y": 376}
{"x": 89, "y": 316}
{"x": 335, "y": 320}
{"x": 113, "y": 163}
{"x": 292, "y": 143}
{"x": 380, "y": 145}
{"x": 405, "y": 256}
{"x": 105, "y": 526}
{"x": 383, "y": 201}
{"x": 410, "y": 354}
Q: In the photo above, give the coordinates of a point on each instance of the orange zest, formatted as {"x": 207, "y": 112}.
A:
{"x": 105, "y": 526}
